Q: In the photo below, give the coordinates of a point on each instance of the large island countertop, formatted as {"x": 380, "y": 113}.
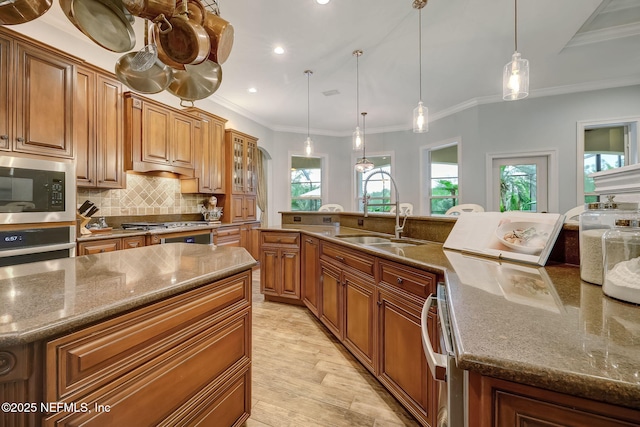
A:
{"x": 540, "y": 326}
{"x": 45, "y": 299}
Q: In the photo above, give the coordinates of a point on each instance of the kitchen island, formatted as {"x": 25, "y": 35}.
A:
{"x": 139, "y": 337}
{"x": 532, "y": 338}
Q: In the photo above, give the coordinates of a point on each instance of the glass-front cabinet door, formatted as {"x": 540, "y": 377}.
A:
{"x": 252, "y": 180}
{"x": 238, "y": 164}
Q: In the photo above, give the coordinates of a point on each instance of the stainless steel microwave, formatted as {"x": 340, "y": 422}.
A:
{"x": 36, "y": 190}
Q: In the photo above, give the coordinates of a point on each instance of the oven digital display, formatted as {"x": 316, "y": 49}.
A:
{"x": 15, "y": 239}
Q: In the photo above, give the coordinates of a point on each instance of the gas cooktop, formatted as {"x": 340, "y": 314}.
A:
{"x": 162, "y": 225}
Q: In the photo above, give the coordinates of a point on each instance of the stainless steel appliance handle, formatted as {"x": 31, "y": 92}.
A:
{"x": 36, "y": 250}
{"x": 437, "y": 362}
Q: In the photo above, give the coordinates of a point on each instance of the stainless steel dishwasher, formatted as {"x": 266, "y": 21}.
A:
{"x": 452, "y": 397}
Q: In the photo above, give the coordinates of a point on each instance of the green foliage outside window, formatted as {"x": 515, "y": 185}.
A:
{"x": 518, "y": 187}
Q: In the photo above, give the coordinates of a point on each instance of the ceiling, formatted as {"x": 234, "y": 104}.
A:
{"x": 571, "y": 45}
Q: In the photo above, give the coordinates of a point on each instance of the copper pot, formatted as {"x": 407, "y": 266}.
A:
{"x": 150, "y": 9}
{"x": 196, "y": 82}
{"x": 154, "y": 80}
{"x": 187, "y": 42}
{"x": 196, "y": 11}
{"x": 221, "y": 34}
{"x": 21, "y": 11}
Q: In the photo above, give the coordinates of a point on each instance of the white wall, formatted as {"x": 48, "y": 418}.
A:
{"x": 526, "y": 125}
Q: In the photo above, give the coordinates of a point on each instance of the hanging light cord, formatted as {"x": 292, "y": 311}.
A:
{"x": 364, "y": 136}
{"x": 308, "y": 101}
{"x": 515, "y": 20}
{"x": 420, "y": 49}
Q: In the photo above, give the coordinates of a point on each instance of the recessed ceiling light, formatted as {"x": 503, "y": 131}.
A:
{"x": 279, "y": 50}
{"x": 322, "y": 1}
{"x": 252, "y": 90}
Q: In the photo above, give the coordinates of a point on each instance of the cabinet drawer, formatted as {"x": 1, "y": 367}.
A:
{"x": 182, "y": 377}
{"x": 289, "y": 239}
{"x": 415, "y": 281}
{"x": 132, "y": 242}
{"x": 90, "y": 358}
{"x": 99, "y": 246}
{"x": 228, "y": 231}
{"x": 358, "y": 260}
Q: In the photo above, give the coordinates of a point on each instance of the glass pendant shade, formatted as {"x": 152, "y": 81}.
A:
{"x": 515, "y": 79}
{"x": 420, "y": 118}
{"x": 363, "y": 165}
{"x": 308, "y": 147}
{"x": 357, "y": 139}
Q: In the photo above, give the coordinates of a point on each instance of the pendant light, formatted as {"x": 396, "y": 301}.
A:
{"x": 357, "y": 135}
{"x": 308, "y": 144}
{"x": 515, "y": 78}
{"x": 363, "y": 164}
{"x": 420, "y": 113}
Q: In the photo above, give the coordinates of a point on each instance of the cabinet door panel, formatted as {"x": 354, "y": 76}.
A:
{"x": 218, "y": 164}
{"x": 155, "y": 134}
{"x": 237, "y": 202}
{"x": 290, "y": 267}
{"x": 359, "y": 327}
{"x": 402, "y": 364}
{"x": 6, "y": 95}
{"x": 44, "y": 104}
{"x": 205, "y": 155}
{"x": 331, "y": 299}
{"x": 183, "y": 145}
{"x": 84, "y": 136}
{"x": 250, "y": 208}
{"x": 310, "y": 273}
{"x": 269, "y": 266}
{"x": 109, "y": 138}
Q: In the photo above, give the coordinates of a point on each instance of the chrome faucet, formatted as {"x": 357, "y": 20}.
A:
{"x": 366, "y": 197}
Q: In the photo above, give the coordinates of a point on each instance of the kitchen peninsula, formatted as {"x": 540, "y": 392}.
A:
{"x": 537, "y": 342}
{"x": 145, "y": 336}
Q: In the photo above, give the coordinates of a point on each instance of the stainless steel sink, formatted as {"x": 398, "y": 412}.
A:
{"x": 365, "y": 240}
{"x": 393, "y": 244}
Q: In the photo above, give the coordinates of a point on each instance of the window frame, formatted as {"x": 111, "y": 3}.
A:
{"x": 356, "y": 199}
{"x": 323, "y": 176}
{"x": 426, "y": 195}
{"x": 632, "y": 148}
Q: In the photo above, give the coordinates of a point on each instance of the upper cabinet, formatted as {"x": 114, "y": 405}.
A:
{"x": 210, "y": 161}
{"x": 158, "y": 137}
{"x": 98, "y": 130}
{"x": 241, "y": 180}
{"x": 36, "y": 99}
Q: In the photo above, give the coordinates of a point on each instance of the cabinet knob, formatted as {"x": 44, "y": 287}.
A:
{"x": 101, "y": 250}
{"x": 20, "y": 139}
{"x": 379, "y": 303}
{"x": 4, "y": 137}
{"x": 399, "y": 280}
{"x": 339, "y": 258}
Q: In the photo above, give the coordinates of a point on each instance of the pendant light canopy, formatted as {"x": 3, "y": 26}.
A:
{"x": 420, "y": 113}
{"x": 357, "y": 135}
{"x": 515, "y": 78}
{"x": 308, "y": 144}
{"x": 363, "y": 164}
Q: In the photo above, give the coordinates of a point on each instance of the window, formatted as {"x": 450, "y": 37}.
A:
{"x": 378, "y": 187}
{"x": 443, "y": 179}
{"x": 520, "y": 184}
{"x": 306, "y": 183}
{"x": 604, "y": 148}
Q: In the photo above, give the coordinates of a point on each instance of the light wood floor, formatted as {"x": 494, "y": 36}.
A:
{"x": 303, "y": 377}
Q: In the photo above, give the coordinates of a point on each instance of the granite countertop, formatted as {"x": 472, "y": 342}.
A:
{"x": 540, "y": 326}
{"x": 45, "y": 299}
{"x": 118, "y": 232}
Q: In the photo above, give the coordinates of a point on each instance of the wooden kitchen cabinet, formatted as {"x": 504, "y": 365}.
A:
{"x": 499, "y": 403}
{"x": 250, "y": 238}
{"x": 36, "y": 99}
{"x": 402, "y": 365}
{"x": 241, "y": 177}
{"x": 158, "y": 137}
{"x": 182, "y": 361}
{"x": 98, "y": 130}
{"x": 227, "y": 236}
{"x": 310, "y": 275}
{"x": 109, "y": 245}
{"x": 210, "y": 162}
{"x": 280, "y": 264}
{"x": 348, "y": 300}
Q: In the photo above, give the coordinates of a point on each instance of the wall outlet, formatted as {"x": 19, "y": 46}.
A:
{"x": 297, "y": 219}
{"x": 326, "y": 220}
{"x": 360, "y": 221}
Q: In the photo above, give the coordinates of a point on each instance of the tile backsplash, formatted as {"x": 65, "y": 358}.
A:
{"x": 144, "y": 195}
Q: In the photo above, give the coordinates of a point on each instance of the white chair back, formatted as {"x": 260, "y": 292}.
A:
{"x": 331, "y": 207}
{"x": 406, "y": 209}
{"x": 465, "y": 207}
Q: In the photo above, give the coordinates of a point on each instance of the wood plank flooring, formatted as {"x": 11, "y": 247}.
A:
{"x": 303, "y": 377}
